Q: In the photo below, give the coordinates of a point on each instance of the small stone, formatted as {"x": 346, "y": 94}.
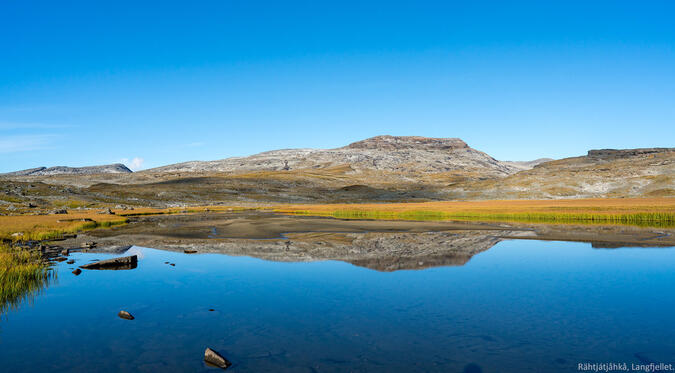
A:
{"x": 60, "y": 259}
{"x": 59, "y": 212}
{"x": 190, "y": 251}
{"x": 214, "y": 358}
{"x": 71, "y": 261}
{"x": 211, "y": 310}
{"x": 173, "y": 264}
{"x": 77, "y": 271}
{"x": 125, "y": 315}
{"x": 65, "y": 252}
{"x": 166, "y": 262}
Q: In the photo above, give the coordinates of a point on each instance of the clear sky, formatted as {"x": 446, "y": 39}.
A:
{"x": 85, "y": 83}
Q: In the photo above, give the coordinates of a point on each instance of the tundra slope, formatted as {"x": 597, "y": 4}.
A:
{"x": 647, "y": 172}
{"x": 382, "y": 168}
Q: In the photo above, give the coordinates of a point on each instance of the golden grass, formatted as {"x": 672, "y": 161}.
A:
{"x": 634, "y": 211}
{"x": 23, "y": 274}
{"x": 45, "y": 227}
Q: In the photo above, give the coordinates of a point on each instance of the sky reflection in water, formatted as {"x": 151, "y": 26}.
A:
{"x": 520, "y": 306}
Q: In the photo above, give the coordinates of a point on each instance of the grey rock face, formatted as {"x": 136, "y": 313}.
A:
{"x": 624, "y": 153}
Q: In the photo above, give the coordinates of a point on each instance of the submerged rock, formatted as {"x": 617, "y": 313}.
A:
{"x": 125, "y": 262}
{"x": 125, "y": 315}
{"x": 214, "y": 358}
{"x": 71, "y": 261}
{"x": 60, "y": 259}
{"x": 77, "y": 271}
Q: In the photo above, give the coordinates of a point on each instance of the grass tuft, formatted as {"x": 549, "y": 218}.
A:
{"x": 23, "y": 275}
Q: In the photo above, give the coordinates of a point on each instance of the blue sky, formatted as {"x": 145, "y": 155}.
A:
{"x": 84, "y": 83}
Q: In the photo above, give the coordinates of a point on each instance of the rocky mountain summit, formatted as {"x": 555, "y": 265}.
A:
{"x": 116, "y": 168}
{"x": 401, "y": 154}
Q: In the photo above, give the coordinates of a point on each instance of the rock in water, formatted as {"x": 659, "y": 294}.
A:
{"x": 125, "y": 262}
{"x": 125, "y": 315}
{"x": 216, "y": 359}
{"x": 77, "y": 271}
{"x": 186, "y": 251}
{"x": 71, "y": 261}
{"x": 65, "y": 252}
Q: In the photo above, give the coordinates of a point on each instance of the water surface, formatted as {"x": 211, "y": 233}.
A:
{"x": 520, "y": 306}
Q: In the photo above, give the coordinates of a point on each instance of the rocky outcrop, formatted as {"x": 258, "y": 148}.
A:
{"x": 625, "y": 153}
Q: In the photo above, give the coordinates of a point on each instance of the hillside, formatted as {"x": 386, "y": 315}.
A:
{"x": 408, "y": 155}
{"x": 379, "y": 169}
{"x": 648, "y": 172}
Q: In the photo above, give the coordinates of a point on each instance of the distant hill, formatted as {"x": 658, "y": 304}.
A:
{"x": 408, "y": 155}
{"x": 116, "y": 168}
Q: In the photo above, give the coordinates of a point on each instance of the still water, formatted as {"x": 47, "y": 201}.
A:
{"x": 521, "y": 306}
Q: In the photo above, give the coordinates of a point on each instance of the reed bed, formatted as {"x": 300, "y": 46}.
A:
{"x": 655, "y": 212}
{"x": 23, "y": 275}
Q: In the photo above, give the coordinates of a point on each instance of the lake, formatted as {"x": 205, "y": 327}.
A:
{"x": 519, "y": 306}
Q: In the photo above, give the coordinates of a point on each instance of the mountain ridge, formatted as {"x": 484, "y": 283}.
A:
{"x": 114, "y": 168}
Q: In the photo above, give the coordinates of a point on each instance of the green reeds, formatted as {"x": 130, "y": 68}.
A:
{"x": 650, "y": 219}
{"x": 23, "y": 275}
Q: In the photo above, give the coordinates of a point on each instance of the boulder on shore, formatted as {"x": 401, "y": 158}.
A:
{"x": 125, "y": 262}
{"x": 214, "y": 358}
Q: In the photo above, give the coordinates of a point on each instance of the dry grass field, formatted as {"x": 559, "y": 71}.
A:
{"x": 43, "y": 227}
